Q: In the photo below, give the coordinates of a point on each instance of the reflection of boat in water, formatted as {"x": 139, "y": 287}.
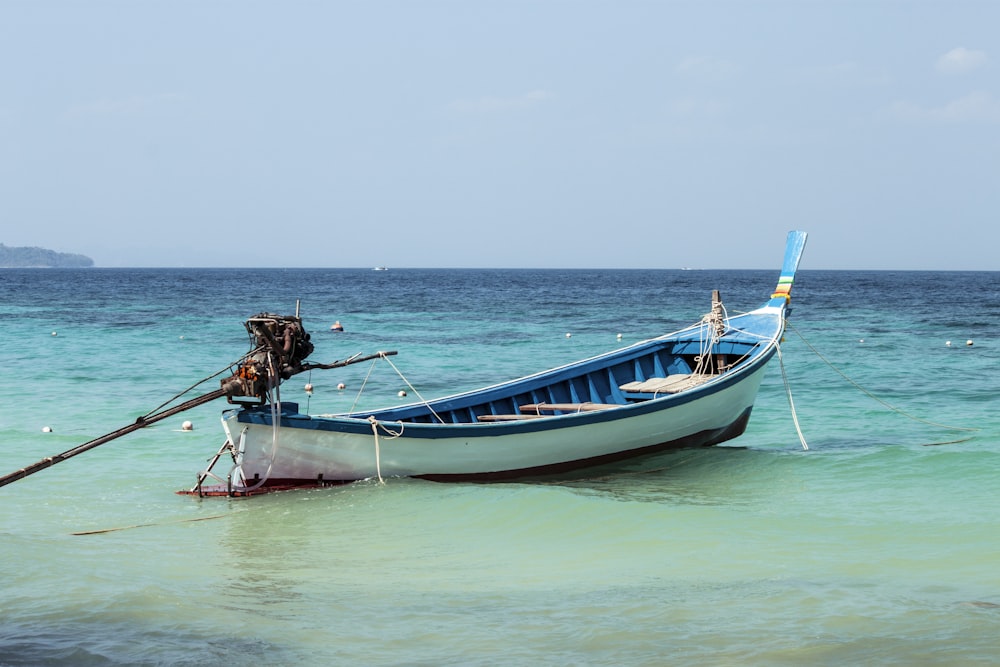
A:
{"x": 693, "y": 387}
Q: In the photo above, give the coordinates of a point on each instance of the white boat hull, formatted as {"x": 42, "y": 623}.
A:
{"x": 294, "y": 453}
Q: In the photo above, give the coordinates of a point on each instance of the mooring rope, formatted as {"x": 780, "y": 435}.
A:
{"x": 873, "y": 396}
{"x": 788, "y": 393}
{"x": 147, "y": 525}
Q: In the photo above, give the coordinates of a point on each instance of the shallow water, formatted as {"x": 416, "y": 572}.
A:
{"x": 877, "y": 545}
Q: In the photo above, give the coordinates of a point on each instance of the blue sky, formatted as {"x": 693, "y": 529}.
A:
{"x": 502, "y": 134}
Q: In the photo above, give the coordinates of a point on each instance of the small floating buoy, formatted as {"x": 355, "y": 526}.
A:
{"x": 54, "y": 333}
{"x": 947, "y": 343}
{"x": 568, "y": 334}
{"x": 969, "y": 342}
{"x": 337, "y": 326}
{"x": 308, "y": 388}
{"x": 46, "y": 429}
{"x": 401, "y": 393}
{"x": 862, "y": 340}
{"x": 182, "y": 338}
{"x": 187, "y": 426}
{"x": 619, "y": 336}
{"x": 341, "y": 386}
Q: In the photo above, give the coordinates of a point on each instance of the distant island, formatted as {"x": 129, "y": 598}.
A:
{"x": 40, "y": 258}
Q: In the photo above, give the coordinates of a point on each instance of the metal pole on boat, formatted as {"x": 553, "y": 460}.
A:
{"x": 226, "y": 390}
{"x": 141, "y": 422}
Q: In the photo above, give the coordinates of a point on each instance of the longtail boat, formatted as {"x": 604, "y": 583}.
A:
{"x": 693, "y": 387}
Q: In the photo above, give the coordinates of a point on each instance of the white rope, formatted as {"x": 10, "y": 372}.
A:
{"x": 873, "y": 396}
{"x": 378, "y": 455}
{"x": 712, "y": 327}
{"x": 788, "y": 392}
{"x": 273, "y": 396}
{"x": 414, "y": 389}
{"x": 363, "y": 384}
{"x": 376, "y": 425}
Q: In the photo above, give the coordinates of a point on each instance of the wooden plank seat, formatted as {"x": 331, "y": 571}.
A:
{"x": 538, "y": 408}
{"x": 671, "y": 384}
{"x": 505, "y": 418}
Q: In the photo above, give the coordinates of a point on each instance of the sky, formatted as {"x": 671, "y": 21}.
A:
{"x": 502, "y": 134}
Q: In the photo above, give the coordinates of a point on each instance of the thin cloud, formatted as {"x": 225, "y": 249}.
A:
{"x": 124, "y": 106}
{"x": 978, "y": 106}
{"x": 706, "y": 67}
{"x": 500, "y": 104}
{"x": 960, "y": 60}
{"x": 846, "y": 73}
{"x": 694, "y": 107}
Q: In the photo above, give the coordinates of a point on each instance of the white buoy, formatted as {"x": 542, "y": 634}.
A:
{"x": 182, "y": 338}
{"x": 187, "y": 426}
{"x": 46, "y": 429}
{"x": 969, "y": 342}
{"x": 947, "y": 343}
{"x": 862, "y": 340}
{"x": 619, "y": 336}
{"x": 308, "y": 388}
{"x": 341, "y": 386}
{"x": 55, "y": 333}
{"x": 402, "y": 393}
{"x": 568, "y": 335}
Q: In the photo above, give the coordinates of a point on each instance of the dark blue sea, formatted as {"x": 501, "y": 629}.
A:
{"x": 874, "y": 538}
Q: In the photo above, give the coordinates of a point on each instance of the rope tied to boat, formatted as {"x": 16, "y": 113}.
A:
{"x": 376, "y": 425}
{"x": 414, "y": 390}
{"x": 713, "y": 327}
{"x": 873, "y": 396}
{"x": 788, "y": 393}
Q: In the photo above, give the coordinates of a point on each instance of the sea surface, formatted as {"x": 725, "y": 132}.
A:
{"x": 877, "y": 545}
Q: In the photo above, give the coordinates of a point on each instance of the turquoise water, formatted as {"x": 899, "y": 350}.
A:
{"x": 877, "y": 545}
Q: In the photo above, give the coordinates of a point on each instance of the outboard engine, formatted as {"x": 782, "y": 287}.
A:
{"x": 279, "y": 345}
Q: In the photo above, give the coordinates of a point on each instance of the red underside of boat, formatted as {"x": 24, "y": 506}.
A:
{"x": 221, "y": 490}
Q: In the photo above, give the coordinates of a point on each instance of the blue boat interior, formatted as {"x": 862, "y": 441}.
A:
{"x": 654, "y": 369}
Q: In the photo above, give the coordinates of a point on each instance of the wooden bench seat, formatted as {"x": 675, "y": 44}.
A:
{"x": 538, "y": 408}
{"x": 671, "y": 384}
{"x": 506, "y": 418}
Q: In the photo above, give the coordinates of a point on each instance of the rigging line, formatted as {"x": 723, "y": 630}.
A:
{"x": 873, "y": 396}
{"x": 364, "y": 383}
{"x": 423, "y": 400}
{"x": 203, "y": 380}
{"x": 788, "y": 392}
